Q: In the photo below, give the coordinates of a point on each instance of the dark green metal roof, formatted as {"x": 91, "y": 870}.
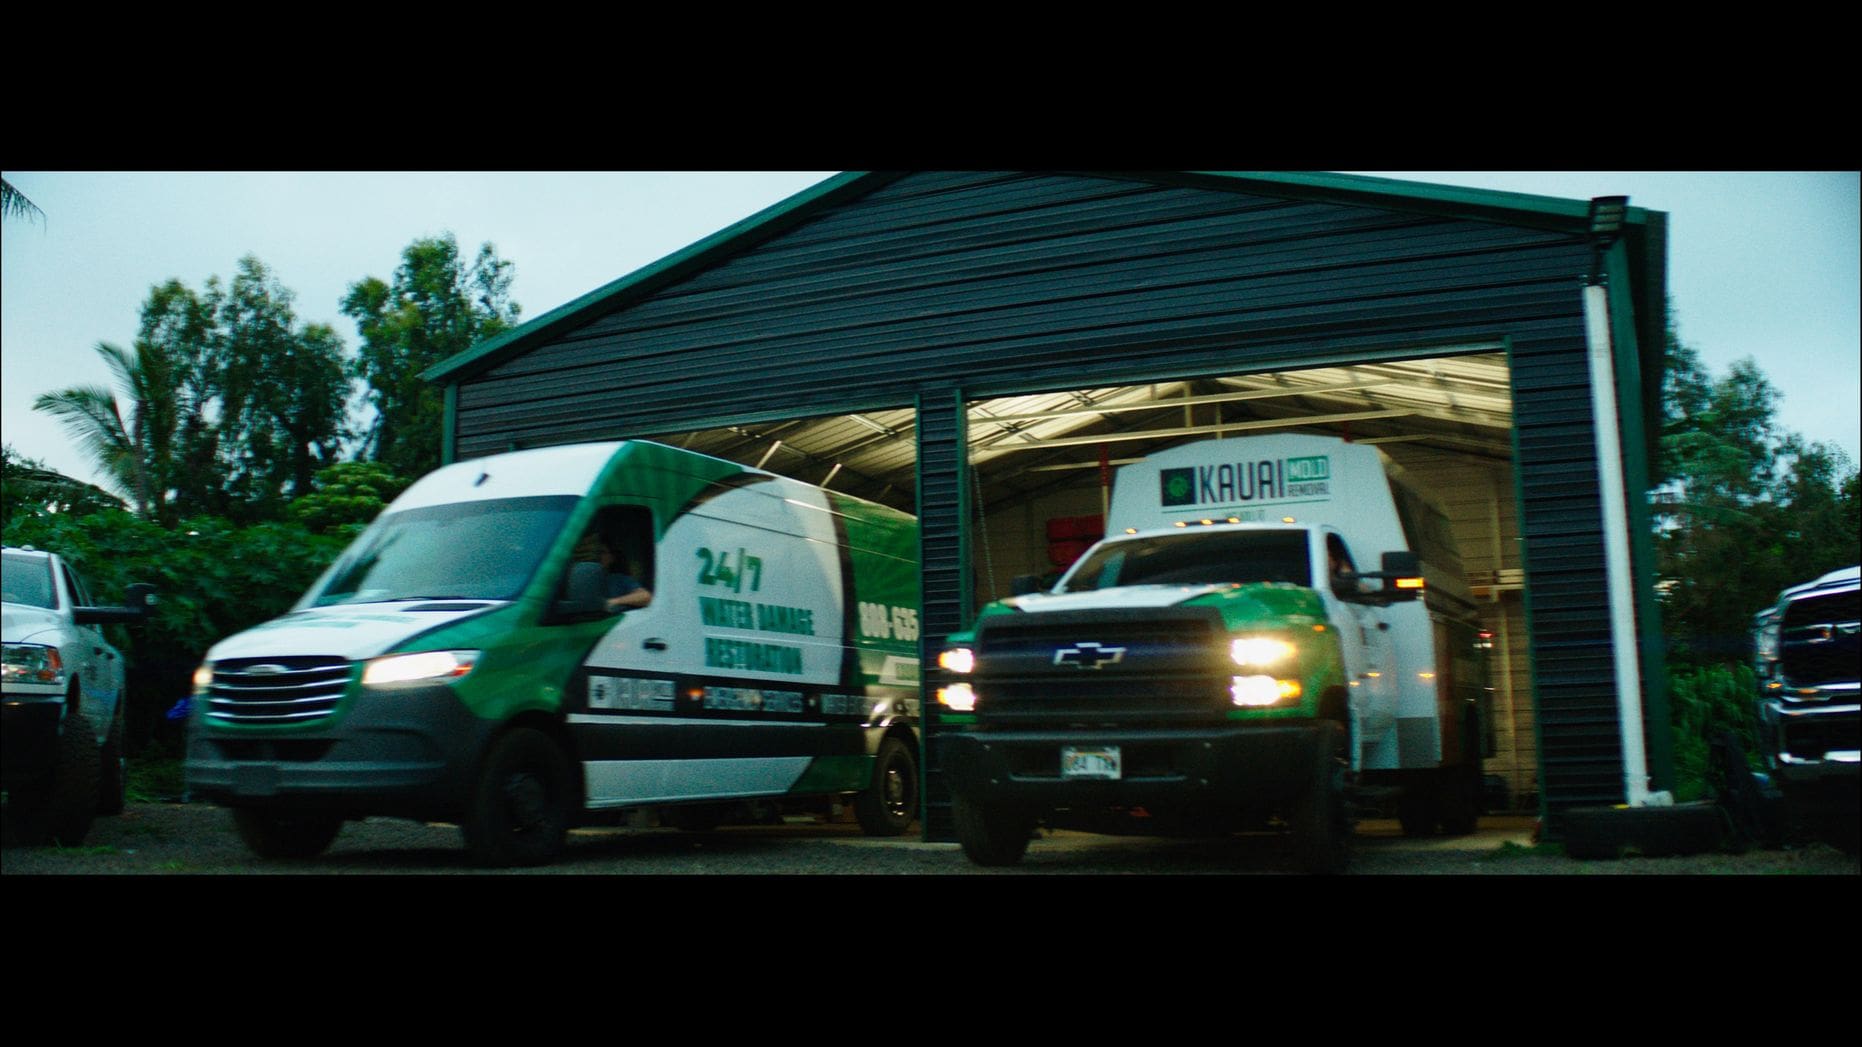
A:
{"x": 1645, "y": 236}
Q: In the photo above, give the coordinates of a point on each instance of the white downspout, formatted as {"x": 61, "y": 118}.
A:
{"x": 1623, "y": 637}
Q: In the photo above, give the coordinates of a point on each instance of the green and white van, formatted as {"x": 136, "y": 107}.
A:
{"x": 464, "y": 660}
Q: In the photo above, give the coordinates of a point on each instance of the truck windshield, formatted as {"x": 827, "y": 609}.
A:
{"x": 468, "y": 551}
{"x": 1195, "y": 558}
{"x": 28, "y": 580}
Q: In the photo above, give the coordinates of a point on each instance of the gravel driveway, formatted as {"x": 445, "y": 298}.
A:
{"x": 160, "y": 839}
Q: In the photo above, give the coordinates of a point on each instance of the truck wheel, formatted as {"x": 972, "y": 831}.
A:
{"x": 520, "y": 809}
{"x": 58, "y": 808}
{"x": 990, "y": 837}
{"x": 889, "y": 805}
{"x": 286, "y": 834}
{"x": 113, "y": 781}
{"x": 1322, "y": 823}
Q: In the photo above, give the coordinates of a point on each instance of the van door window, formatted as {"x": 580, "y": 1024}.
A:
{"x": 620, "y": 539}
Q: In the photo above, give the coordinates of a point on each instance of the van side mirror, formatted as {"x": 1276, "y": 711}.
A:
{"x": 585, "y": 594}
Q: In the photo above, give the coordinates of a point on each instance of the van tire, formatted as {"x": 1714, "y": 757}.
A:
{"x": 519, "y": 813}
{"x": 889, "y": 805}
{"x": 59, "y": 806}
{"x": 990, "y": 836}
{"x": 278, "y": 834}
{"x": 113, "y": 780}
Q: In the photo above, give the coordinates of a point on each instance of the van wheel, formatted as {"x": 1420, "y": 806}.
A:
{"x": 271, "y": 833}
{"x": 58, "y": 807}
{"x": 519, "y": 812}
{"x": 990, "y": 837}
{"x": 888, "y": 806}
{"x": 113, "y": 781}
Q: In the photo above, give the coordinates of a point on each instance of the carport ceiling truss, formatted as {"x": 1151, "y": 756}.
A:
{"x": 1025, "y": 445}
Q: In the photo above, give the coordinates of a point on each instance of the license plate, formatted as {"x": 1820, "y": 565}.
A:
{"x": 1099, "y": 761}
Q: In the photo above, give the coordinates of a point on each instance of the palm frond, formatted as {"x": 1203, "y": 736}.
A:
{"x": 13, "y": 203}
{"x": 90, "y": 415}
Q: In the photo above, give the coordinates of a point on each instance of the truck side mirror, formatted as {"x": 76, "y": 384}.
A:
{"x": 1402, "y": 574}
{"x": 1023, "y": 584}
{"x": 138, "y": 600}
{"x": 585, "y": 594}
{"x": 140, "y": 596}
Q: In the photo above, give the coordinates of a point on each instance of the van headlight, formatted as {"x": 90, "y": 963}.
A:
{"x": 426, "y": 667}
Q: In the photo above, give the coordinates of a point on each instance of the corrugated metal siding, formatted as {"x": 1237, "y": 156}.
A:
{"x": 945, "y": 565}
{"x": 1026, "y": 283}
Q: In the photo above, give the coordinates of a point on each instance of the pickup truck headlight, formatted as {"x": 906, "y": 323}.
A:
{"x": 1259, "y": 691}
{"x": 32, "y": 663}
{"x": 425, "y": 667}
{"x": 958, "y": 697}
{"x": 1261, "y": 652}
{"x": 1768, "y": 642}
{"x": 957, "y": 660}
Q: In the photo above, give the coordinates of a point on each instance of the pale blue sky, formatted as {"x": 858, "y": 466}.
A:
{"x": 1760, "y": 264}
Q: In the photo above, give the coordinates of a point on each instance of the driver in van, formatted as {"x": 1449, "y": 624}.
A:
{"x": 625, "y": 593}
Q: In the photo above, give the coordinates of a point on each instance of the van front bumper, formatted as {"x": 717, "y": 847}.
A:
{"x": 408, "y": 753}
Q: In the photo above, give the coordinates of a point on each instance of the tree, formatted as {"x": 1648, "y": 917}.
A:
{"x": 1744, "y": 507}
{"x": 130, "y": 452}
{"x": 437, "y": 306}
{"x": 282, "y": 389}
{"x": 227, "y": 404}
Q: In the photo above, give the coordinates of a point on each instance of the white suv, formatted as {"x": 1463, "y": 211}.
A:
{"x": 62, "y": 686}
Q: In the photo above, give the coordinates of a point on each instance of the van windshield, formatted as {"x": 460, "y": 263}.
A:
{"x": 1194, "y": 558}
{"x": 468, "y": 551}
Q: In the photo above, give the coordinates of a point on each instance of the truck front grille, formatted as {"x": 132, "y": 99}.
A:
{"x": 1156, "y": 666}
{"x": 1819, "y": 642}
{"x": 276, "y": 690}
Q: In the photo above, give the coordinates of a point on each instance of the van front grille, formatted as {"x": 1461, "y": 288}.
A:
{"x": 276, "y": 690}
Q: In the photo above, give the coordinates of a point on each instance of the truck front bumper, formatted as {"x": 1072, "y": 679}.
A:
{"x": 410, "y": 753}
{"x": 1257, "y": 765}
{"x": 29, "y": 736}
{"x": 1814, "y": 741}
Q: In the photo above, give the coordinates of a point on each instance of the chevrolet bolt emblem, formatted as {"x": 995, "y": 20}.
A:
{"x": 1089, "y": 656}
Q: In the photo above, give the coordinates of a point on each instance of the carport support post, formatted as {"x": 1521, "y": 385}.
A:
{"x": 944, "y": 579}
{"x": 1624, "y": 639}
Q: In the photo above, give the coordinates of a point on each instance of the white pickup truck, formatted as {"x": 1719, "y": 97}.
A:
{"x": 1225, "y": 664}
{"x": 63, "y": 698}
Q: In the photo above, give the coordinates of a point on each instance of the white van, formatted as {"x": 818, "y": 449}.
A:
{"x": 528, "y": 641}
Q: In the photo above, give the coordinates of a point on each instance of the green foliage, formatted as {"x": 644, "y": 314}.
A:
{"x": 27, "y": 487}
{"x": 1704, "y": 701}
{"x": 438, "y": 306}
{"x": 213, "y": 578}
{"x": 13, "y": 203}
{"x": 348, "y": 494}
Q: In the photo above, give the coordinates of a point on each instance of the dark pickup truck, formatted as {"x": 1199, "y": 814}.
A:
{"x": 1808, "y": 658}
